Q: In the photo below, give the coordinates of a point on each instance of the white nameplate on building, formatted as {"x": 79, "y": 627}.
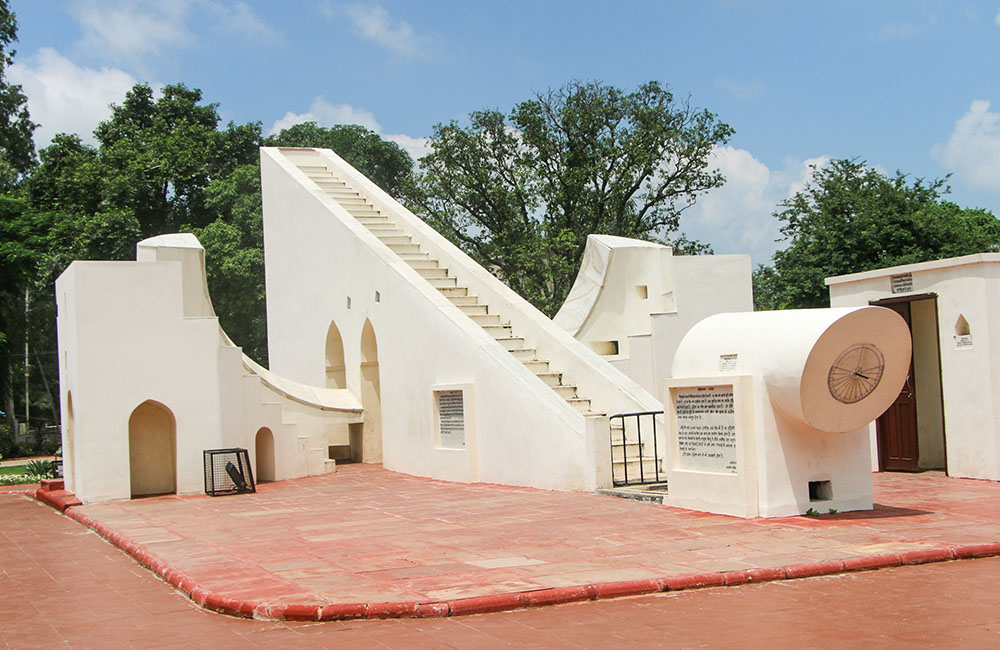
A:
{"x": 963, "y": 341}
{"x": 706, "y": 429}
{"x": 451, "y": 418}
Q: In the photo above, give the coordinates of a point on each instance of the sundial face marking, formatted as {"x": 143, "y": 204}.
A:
{"x": 855, "y": 373}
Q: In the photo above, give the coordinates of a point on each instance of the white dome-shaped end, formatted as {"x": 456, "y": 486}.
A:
{"x": 855, "y": 370}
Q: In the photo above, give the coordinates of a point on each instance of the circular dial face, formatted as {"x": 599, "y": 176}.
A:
{"x": 856, "y": 373}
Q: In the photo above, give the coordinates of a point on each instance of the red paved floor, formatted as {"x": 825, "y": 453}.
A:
{"x": 64, "y": 587}
{"x": 366, "y": 535}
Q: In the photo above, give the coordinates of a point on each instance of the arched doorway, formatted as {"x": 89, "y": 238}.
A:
{"x": 369, "y": 448}
{"x": 336, "y": 376}
{"x": 264, "y": 447}
{"x": 68, "y": 459}
{"x": 152, "y": 450}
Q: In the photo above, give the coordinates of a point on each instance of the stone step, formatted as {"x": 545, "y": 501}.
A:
{"x": 384, "y": 227}
{"x": 431, "y": 272}
{"x": 411, "y": 257}
{"x": 536, "y": 366}
{"x": 498, "y": 331}
{"x": 463, "y": 301}
{"x": 565, "y": 392}
{"x": 550, "y": 378}
{"x": 521, "y": 354}
{"x": 371, "y": 219}
{"x": 473, "y": 310}
{"x": 483, "y": 318}
{"x": 580, "y": 404}
{"x": 424, "y": 263}
{"x": 438, "y": 283}
{"x": 513, "y": 343}
{"x": 453, "y": 292}
{"x": 404, "y": 248}
{"x": 390, "y": 239}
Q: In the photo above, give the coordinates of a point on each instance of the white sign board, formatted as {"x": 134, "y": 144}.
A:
{"x": 706, "y": 429}
{"x": 451, "y": 419}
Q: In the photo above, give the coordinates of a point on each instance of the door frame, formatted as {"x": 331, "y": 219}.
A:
{"x": 910, "y": 298}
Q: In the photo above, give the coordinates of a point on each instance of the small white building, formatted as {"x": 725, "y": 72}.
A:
{"x": 948, "y": 413}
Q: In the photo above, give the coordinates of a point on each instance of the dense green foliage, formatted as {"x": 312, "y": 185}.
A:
{"x": 521, "y": 192}
{"x": 852, "y": 218}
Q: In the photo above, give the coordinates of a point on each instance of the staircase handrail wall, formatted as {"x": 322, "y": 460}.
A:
{"x": 607, "y": 388}
{"x": 517, "y": 371}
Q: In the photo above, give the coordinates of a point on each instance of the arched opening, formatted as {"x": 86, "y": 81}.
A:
{"x": 264, "y": 447}
{"x": 336, "y": 376}
{"x": 152, "y": 450}
{"x": 367, "y": 447}
{"x": 962, "y": 327}
{"x": 69, "y": 469}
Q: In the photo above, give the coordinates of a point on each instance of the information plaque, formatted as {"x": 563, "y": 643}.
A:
{"x": 706, "y": 429}
{"x": 451, "y": 419}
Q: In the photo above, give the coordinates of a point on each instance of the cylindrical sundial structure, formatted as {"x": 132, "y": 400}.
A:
{"x": 834, "y": 370}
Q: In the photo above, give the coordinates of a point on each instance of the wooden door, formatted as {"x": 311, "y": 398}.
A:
{"x": 898, "y": 448}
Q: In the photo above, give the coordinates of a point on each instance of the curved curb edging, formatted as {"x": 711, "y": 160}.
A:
{"x": 516, "y": 600}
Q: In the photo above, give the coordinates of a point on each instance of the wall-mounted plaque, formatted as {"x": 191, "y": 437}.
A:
{"x": 706, "y": 429}
{"x": 727, "y": 362}
{"x": 451, "y": 418}
{"x": 963, "y": 341}
{"x": 902, "y": 283}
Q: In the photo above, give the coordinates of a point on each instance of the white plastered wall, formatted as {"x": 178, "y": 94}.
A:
{"x": 323, "y": 265}
{"x": 644, "y": 299}
{"x": 136, "y": 331}
{"x": 966, "y": 286}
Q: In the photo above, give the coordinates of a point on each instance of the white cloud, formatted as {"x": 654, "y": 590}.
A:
{"x": 239, "y": 19}
{"x": 63, "y": 97}
{"x": 738, "y": 217}
{"x": 326, "y": 114}
{"x": 972, "y": 152}
{"x": 372, "y": 22}
{"x": 125, "y": 31}
{"x": 997, "y": 19}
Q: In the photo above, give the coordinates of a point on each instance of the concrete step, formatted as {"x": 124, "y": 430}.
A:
{"x": 536, "y": 366}
{"x": 371, "y": 219}
{"x": 423, "y": 263}
{"x": 565, "y": 392}
{"x": 454, "y": 292}
{"x": 413, "y": 257}
{"x": 498, "y": 331}
{"x": 483, "y": 319}
{"x": 442, "y": 283}
{"x": 632, "y": 451}
{"x": 432, "y": 272}
{"x": 522, "y": 354}
{"x": 390, "y": 239}
{"x": 550, "y": 378}
{"x": 648, "y": 472}
{"x": 404, "y": 248}
{"x": 473, "y": 309}
{"x": 651, "y": 493}
{"x": 580, "y": 404}
{"x": 463, "y": 300}
{"x": 384, "y": 227}
{"x": 513, "y": 343}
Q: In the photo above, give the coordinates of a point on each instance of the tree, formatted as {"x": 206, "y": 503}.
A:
{"x": 520, "y": 193}
{"x": 17, "y": 149}
{"x": 852, "y": 218}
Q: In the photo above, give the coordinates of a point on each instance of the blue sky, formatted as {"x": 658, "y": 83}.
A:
{"x": 903, "y": 84}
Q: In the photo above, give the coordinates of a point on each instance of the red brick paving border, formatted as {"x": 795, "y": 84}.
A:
{"x": 510, "y": 601}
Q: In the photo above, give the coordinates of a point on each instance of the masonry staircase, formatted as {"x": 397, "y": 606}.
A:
{"x": 395, "y": 234}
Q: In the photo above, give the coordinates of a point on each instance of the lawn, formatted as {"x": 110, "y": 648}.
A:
{"x": 13, "y": 469}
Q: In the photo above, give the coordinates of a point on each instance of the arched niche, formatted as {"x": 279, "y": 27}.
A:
{"x": 962, "y": 326}
{"x": 336, "y": 375}
{"x": 264, "y": 448}
{"x": 368, "y": 446}
{"x": 152, "y": 450}
{"x": 69, "y": 444}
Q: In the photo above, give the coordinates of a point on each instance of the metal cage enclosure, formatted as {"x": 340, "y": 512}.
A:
{"x": 228, "y": 471}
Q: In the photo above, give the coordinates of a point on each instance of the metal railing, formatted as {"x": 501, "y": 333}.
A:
{"x": 636, "y": 419}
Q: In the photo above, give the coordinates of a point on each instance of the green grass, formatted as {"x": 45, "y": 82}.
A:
{"x": 14, "y": 469}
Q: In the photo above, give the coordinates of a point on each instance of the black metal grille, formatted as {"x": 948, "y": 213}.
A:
{"x": 631, "y": 429}
{"x": 228, "y": 471}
